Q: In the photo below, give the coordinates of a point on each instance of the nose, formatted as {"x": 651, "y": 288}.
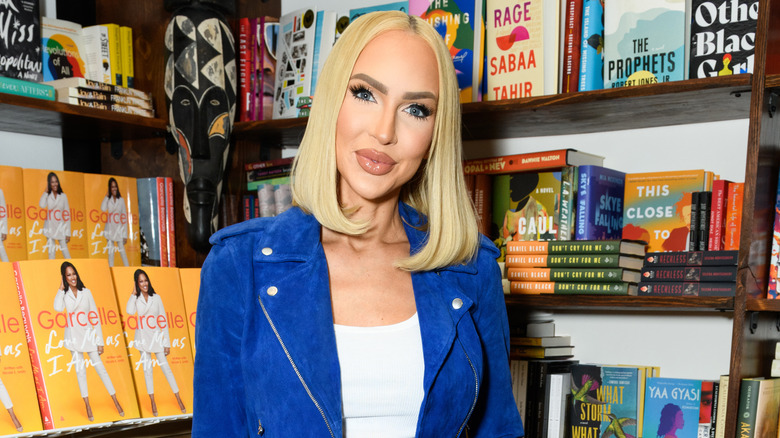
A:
{"x": 385, "y": 129}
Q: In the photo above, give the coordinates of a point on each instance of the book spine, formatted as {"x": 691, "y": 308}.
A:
{"x": 562, "y": 261}
{"x": 519, "y": 371}
{"x": 720, "y": 421}
{"x": 115, "y": 46}
{"x": 572, "y": 46}
{"x": 21, "y": 87}
{"x": 520, "y": 247}
{"x": 693, "y": 227}
{"x": 715, "y": 407}
{"x": 35, "y": 358}
{"x": 747, "y": 407}
{"x": 591, "y": 64}
{"x": 163, "y": 221}
{"x": 690, "y": 273}
{"x": 565, "y": 288}
{"x": 717, "y": 208}
{"x": 247, "y": 207}
{"x": 692, "y": 258}
{"x": 128, "y": 63}
{"x": 705, "y": 199}
{"x": 734, "y": 216}
{"x": 268, "y": 172}
{"x": 565, "y": 274}
{"x": 265, "y": 164}
{"x": 483, "y": 201}
{"x": 680, "y": 288}
{"x": 566, "y": 204}
{"x": 584, "y": 199}
{"x": 244, "y": 70}
{"x": 520, "y": 162}
{"x": 252, "y": 67}
{"x": 170, "y": 221}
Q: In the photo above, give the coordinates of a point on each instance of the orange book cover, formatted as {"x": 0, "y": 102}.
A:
{"x": 13, "y": 238}
{"x": 112, "y": 219}
{"x": 190, "y": 286}
{"x": 17, "y": 386}
{"x": 155, "y": 322}
{"x": 657, "y": 207}
{"x": 55, "y": 216}
{"x": 74, "y": 334}
{"x": 734, "y": 216}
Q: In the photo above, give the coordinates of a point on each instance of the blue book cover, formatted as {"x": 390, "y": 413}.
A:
{"x": 600, "y": 193}
{"x": 672, "y": 407}
{"x": 149, "y": 221}
{"x": 619, "y": 392}
{"x": 592, "y": 48}
{"x": 402, "y": 6}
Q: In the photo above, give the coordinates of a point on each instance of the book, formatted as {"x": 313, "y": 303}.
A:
{"x": 644, "y": 42}
{"x": 13, "y": 235}
{"x": 62, "y": 49}
{"x": 532, "y": 161}
{"x": 97, "y": 53}
{"x": 88, "y": 94}
{"x": 717, "y": 235}
{"x": 170, "y": 222}
{"x": 17, "y": 384}
{"x": 774, "y": 260}
{"x": 55, "y": 214}
{"x": 267, "y": 33}
{"x": 244, "y": 97}
{"x": 585, "y": 413}
{"x": 759, "y": 404}
{"x": 21, "y": 87}
{"x": 693, "y": 230}
{"x": 592, "y": 46}
{"x": 672, "y": 406}
{"x": 580, "y": 275}
{"x": 294, "y": 59}
{"x": 577, "y": 247}
{"x": 540, "y": 328}
{"x": 190, "y": 286}
{"x": 538, "y": 352}
{"x": 483, "y": 201}
{"x": 733, "y": 216}
{"x": 128, "y": 59}
{"x": 150, "y": 222}
{"x": 720, "y": 420}
{"x": 519, "y": 371}
{"x": 268, "y": 173}
{"x": 600, "y": 192}
{"x": 538, "y": 371}
{"x": 722, "y": 38}
{"x": 461, "y": 26}
{"x": 706, "y": 408}
{"x": 571, "y": 288}
{"x": 81, "y": 82}
{"x": 111, "y": 202}
{"x": 692, "y": 258}
{"x": 162, "y": 207}
{"x": 572, "y": 44}
{"x": 690, "y": 273}
{"x": 566, "y": 209}
{"x": 683, "y": 288}
{"x": 573, "y": 261}
{"x": 657, "y": 207}
{"x": 514, "y": 47}
{"x": 555, "y": 401}
{"x": 619, "y": 393}
{"x": 402, "y": 6}
{"x": 66, "y": 332}
{"x": 705, "y": 199}
{"x": 21, "y": 36}
{"x": 157, "y": 337}
{"x": 542, "y": 341}
{"x": 324, "y": 38}
{"x": 714, "y": 408}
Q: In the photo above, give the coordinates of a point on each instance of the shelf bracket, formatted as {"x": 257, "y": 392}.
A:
{"x": 753, "y": 321}
{"x": 777, "y": 322}
{"x": 772, "y": 104}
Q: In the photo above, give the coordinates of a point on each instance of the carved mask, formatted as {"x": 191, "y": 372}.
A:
{"x": 200, "y": 90}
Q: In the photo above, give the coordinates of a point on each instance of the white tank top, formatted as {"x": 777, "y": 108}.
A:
{"x": 381, "y": 378}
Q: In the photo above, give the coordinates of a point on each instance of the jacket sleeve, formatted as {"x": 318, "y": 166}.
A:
{"x": 219, "y": 404}
{"x": 166, "y": 334}
{"x": 496, "y": 413}
{"x": 59, "y": 300}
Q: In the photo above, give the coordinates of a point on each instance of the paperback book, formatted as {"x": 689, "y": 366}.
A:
{"x": 672, "y": 407}
{"x": 13, "y": 236}
{"x": 571, "y": 288}
{"x": 583, "y": 275}
{"x": 190, "y": 286}
{"x": 21, "y": 40}
{"x": 577, "y": 247}
{"x": 592, "y": 46}
{"x": 600, "y": 193}
{"x": 722, "y": 37}
{"x": 112, "y": 219}
{"x": 294, "y": 59}
{"x": 532, "y": 161}
{"x": 683, "y": 288}
{"x": 63, "y": 49}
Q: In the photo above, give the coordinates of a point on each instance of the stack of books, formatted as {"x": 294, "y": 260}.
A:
{"x": 689, "y": 273}
{"x": 268, "y": 183}
{"x": 598, "y": 267}
{"x": 101, "y": 95}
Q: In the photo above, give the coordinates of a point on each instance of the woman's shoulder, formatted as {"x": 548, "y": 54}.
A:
{"x": 287, "y": 223}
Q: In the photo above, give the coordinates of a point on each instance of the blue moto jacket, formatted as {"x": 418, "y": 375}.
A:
{"x": 266, "y": 362}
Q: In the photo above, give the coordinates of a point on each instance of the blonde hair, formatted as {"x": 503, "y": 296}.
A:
{"x": 438, "y": 190}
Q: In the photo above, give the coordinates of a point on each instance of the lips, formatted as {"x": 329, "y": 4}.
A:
{"x": 374, "y": 162}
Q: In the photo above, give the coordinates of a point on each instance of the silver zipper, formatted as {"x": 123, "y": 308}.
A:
{"x": 476, "y": 393}
{"x": 295, "y": 367}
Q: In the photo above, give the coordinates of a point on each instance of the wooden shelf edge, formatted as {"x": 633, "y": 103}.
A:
{"x": 762, "y": 305}
{"x": 621, "y": 303}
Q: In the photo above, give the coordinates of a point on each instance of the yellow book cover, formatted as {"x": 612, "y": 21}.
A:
{"x": 55, "y": 217}
{"x": 77, "y": 349}
{"x": 190, "y": 286}
{"x": 158, "y": 339}
{"x": 112, "y": 219}
{"x": 115, "y": 47}
{"x": 126, "y": 37}
{"x": 17, "y": 386}
{"x": 514, "y": 49}
{"x": 13, "y": 243}
{"x": 657, "y": 207}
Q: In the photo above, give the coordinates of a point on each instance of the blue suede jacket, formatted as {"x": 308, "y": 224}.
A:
{"x": 267, "y": 364}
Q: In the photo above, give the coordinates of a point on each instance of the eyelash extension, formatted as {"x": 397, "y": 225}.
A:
{"x": 357, "y": 89}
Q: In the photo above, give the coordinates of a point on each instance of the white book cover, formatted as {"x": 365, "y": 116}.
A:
{"x": 294, "y": 59}
{"x": 97, "y": 53}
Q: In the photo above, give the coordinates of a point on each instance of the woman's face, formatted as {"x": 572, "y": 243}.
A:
{"x": 386, "y": 121}
{"x": 143, "y": 283}
{"x": 114, "y": 189}
{"x": 679, "y": 422}
{"x": 71, "y": 277}
{"x": 54, "y": 184}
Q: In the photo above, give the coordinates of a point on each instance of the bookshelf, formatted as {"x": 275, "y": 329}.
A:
{"x": 754, "y": 97}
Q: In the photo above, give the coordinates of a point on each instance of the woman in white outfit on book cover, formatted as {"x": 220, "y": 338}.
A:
{"x": 3, "y": 227}
{"x": 116, "y": 228}
{"x": 7, "y": 404}
{"x": 56, "y": 227}
{"x": 81, "y": 335}
{"x": 151, "y": 337}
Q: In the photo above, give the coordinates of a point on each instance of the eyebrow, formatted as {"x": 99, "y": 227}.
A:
{"x": 410, "y": 95}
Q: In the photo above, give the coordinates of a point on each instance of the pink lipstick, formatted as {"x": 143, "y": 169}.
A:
{"x": 374, "y": 162}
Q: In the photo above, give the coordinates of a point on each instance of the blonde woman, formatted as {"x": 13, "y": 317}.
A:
{"x": 373, "y": 307}
{"x": 56, "y": 226}
{"x": 115, "y": 230}
{"x": 151, "y": 336}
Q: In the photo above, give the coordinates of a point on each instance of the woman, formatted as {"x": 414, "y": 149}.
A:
{"x": 151, "y": 337}
{"x": 8, "y": 405}
{"x": 373, "y": 307}
{"x": 116, "y": 222}
{"x": 56, "y": 227}
{"x": 671, "y": 421}
{"x": 83, "y": 335}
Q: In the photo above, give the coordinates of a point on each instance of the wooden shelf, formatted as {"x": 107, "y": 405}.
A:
{"x": 762, "y": 305}
{"x": 27, "y": 115}
{"x": 669, "y": 103}
{"x": 620, "y": 303}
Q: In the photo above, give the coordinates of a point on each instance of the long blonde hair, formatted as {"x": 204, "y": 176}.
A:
{"x": 438, "y": 189}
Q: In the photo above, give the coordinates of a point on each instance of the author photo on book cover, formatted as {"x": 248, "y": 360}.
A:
{"x": 83, "y": 335}
{"x": 373, "y": 307}
{"x": 115, "y": 231}
{"x": 56, "y": 227}
{"x": 5, "y": 398}
{"x": 152, "y": 336}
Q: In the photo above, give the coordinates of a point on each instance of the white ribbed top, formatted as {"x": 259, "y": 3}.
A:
{"x": 381, "y": 378}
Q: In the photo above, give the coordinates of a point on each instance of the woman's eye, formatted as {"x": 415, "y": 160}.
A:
{"x": 362, "y": 93}
{"x": 418, "y": 111}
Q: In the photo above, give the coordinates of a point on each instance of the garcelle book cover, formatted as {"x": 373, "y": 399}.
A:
{"x": 55, "y": 215}
{"x": 190, "y": 286}
{"x": 77, "y": 348}
{"x": 13, "y": 239}
{"x": 155, "y": 322}
{"x": 17, "y": 386}
{"x": 112, "y": 219}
